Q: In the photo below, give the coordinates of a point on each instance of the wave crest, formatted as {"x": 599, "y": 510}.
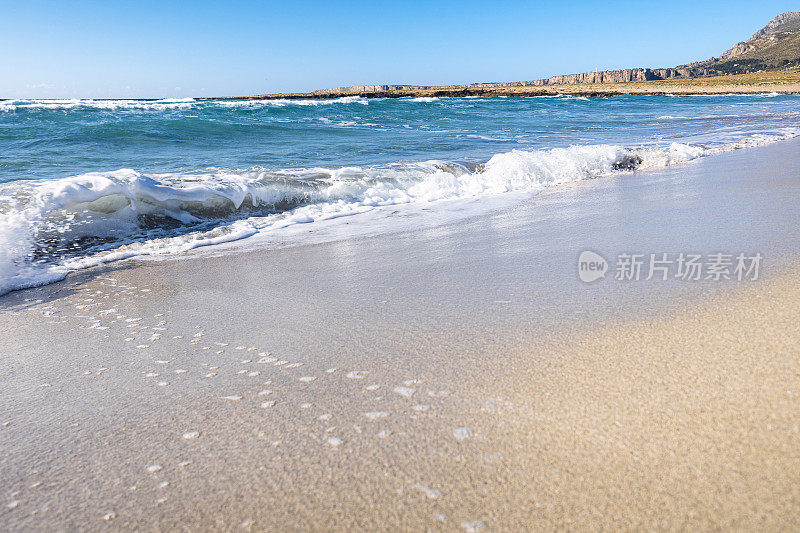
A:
{"x": 51, "y": 227}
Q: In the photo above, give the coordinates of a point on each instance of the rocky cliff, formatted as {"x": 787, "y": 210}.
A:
{"x": 620, "y": 76}
{"x": 602, "y": 76}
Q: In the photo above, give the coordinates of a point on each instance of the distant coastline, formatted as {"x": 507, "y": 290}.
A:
{"x": 784, "y": 82}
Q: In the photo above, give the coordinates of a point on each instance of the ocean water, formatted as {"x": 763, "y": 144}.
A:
{"x": 84, "y": 182}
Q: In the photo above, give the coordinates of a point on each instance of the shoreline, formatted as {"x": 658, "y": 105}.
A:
{"x": 331, "y": 230}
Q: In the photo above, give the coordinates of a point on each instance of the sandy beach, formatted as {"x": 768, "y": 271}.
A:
{"x": 455, "y": 378}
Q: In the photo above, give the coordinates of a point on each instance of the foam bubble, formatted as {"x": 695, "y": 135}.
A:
{"x": 473, "y": 526}
{"x": 429, "y": 492}
{"x": 407, "y": 392}
{"x": 462, "y": 433}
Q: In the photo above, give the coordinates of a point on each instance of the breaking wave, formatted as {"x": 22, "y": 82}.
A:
{"x": 283, "y": 102}
{"x": 108, "y": 105}
{"x": 51, "y": 227}
{"x": 8, "y": 106}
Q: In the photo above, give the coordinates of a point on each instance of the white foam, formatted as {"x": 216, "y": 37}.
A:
{"x": 232, "y": 205}
{"x": 283, "y": 102}
{"x": 107, "y": 105}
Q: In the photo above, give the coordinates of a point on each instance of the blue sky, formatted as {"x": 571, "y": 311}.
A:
{"x": 206, "y": 48}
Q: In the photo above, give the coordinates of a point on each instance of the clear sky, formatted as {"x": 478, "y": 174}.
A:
{"x": 205, "y": 48}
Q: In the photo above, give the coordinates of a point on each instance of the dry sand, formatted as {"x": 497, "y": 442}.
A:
{"x": 682, "y": 422}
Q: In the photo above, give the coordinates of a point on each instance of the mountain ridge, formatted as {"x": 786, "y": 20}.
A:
{"x": 775, "y": 46}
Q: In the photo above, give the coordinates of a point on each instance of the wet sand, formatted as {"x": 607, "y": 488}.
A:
{"x": 454, "y": 378}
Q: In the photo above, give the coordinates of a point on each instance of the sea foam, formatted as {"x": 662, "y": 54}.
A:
{"x": 107, "y": 105}
{"x": 167, "y": 104}
{"x": 51, "y": 227}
